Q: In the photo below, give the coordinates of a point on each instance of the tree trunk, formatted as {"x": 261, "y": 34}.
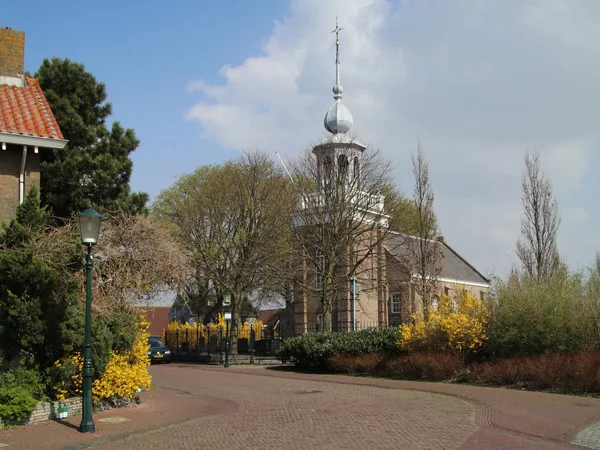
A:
{"x": 235, "y": 320}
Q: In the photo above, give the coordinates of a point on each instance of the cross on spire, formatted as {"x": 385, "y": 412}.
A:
{"x": 337, "y": 90}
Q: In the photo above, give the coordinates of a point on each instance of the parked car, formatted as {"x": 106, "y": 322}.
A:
{"x": 158, "y": 351}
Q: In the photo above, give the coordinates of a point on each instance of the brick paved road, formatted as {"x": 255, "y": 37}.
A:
{"x": 194, "y": 407}
{"x": 294, "y": 414}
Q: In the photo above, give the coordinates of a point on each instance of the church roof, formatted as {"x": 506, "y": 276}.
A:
{"x": 454, "y": 268}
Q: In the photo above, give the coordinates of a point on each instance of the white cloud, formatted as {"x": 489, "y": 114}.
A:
{"x": 576, "y": 215}
{"x": 479, "y": 83}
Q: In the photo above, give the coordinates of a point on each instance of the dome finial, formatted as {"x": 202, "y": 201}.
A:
{"x": 338, "y": 119}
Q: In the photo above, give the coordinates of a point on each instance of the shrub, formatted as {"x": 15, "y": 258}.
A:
{"x": 424, "y": 366}
{"x": 564, "y": 372}
{"x": 312, "y": 351}
{"x": 177, "y": 332}
{"x": 364, "y": 364}
{"x": 457, "y": 325}
{"x": 123, "y": 375}
{"x": 40, "y": 313}
{"x": 411, "y": 366}
{"x": 557, "y": 314}
{"x": 21, "y": 388}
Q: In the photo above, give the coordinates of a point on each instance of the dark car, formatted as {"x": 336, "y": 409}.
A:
{"x": 158, "y": 351}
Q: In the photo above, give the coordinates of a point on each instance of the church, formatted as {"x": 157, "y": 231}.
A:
{"x": 372, "y": 284}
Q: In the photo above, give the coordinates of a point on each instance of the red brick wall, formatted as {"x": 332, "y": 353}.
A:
{"x": 12, "y": 52}
{"x": 158, "y": 318}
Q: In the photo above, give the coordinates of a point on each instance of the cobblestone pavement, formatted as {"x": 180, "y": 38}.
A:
{"x": 295, "y": 414}
{"x": 196, "y": 407}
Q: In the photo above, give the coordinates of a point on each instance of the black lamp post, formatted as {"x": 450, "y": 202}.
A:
{"x": 227, "y": 314}
{"x": 89, "y": 227}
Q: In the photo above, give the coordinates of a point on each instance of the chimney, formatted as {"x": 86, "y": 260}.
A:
{"x": 12, "y": 56}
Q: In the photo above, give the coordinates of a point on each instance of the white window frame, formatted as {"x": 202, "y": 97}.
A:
{"x": 320, "y": 326}
{"x": 319, "y": 266}
{"x": 396, "y": 298}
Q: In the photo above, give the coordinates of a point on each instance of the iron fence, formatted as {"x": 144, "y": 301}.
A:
{"x": 207, "y": 344}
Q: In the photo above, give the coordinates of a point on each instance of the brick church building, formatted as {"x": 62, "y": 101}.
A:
{"x": 388, "y": 286}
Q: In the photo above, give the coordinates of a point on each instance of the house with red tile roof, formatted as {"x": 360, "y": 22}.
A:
{"x": 27, "y": 125}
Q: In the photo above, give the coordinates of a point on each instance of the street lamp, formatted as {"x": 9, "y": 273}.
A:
{"x": 89, "y": 228}
{"x": 354, "y": 290}
{"x": 227, "y": 314}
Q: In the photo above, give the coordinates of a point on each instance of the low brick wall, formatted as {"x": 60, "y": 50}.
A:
{"x": 48, "y": 410}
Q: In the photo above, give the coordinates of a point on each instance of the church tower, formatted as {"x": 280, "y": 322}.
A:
{"x": 338, "y": 157}
{"x": 342, "y": 225}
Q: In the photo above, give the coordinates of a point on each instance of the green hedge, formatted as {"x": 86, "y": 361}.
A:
{"x": 312, "y": 351}
{"x": 21, "y": 388}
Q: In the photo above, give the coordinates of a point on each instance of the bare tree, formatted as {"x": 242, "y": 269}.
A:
{"x": 135, "y": 257}
{"x": 340, "y": 222}
{"x": 425, "y": 250}
{"x": 234, "y": 223}
{"x": 537, "y": 248}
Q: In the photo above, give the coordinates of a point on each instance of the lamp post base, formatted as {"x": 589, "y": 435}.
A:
{"x": 87, "y": 426}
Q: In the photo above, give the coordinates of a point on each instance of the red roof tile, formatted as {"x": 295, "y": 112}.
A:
{"x": 25, "y": 111}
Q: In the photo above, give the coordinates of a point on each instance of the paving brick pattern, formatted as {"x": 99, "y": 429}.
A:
{"x": 589, "y": 437}
{"x": 293, "y": 414}
{"x": 194, "y": 406}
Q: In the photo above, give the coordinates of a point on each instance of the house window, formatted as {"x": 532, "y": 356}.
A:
{"x": 435, "y": 301}
{"x": 482, "y": 295}
{"x": 446, "y": 290}
{"x": 320, "y": 266}
{"x": 396, "y": 303}
{"x": 319, "y": 323}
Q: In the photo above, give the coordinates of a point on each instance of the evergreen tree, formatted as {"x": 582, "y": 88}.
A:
{"x": 39, "y": 309}
{"x": 30, "y": 219}
{"x": 95, "y": 165}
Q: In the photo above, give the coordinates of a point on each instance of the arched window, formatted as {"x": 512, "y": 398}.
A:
{"x": 343, "y": 168}
{"x": 356, "y": 170}
{"x": 328, "y": 169}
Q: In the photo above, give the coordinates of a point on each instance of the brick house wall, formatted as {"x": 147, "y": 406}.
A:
{"x": 26, "y": 120}
{"x": 10, "y": 167}
{"x": 158, "y": 316}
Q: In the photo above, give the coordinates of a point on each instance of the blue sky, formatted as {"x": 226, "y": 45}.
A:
{"x": 478, "y": 83}
{"x": 147, "y": 53}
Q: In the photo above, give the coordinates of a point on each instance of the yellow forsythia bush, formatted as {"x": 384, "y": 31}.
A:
{"x": 179, "y": 332}
{"x": 124, "y": 374}
{"x": 244, "y": 330}
{"x": 457, "y": 325}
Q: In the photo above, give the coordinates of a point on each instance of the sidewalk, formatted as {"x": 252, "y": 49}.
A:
{"x": 161, "y": 407}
